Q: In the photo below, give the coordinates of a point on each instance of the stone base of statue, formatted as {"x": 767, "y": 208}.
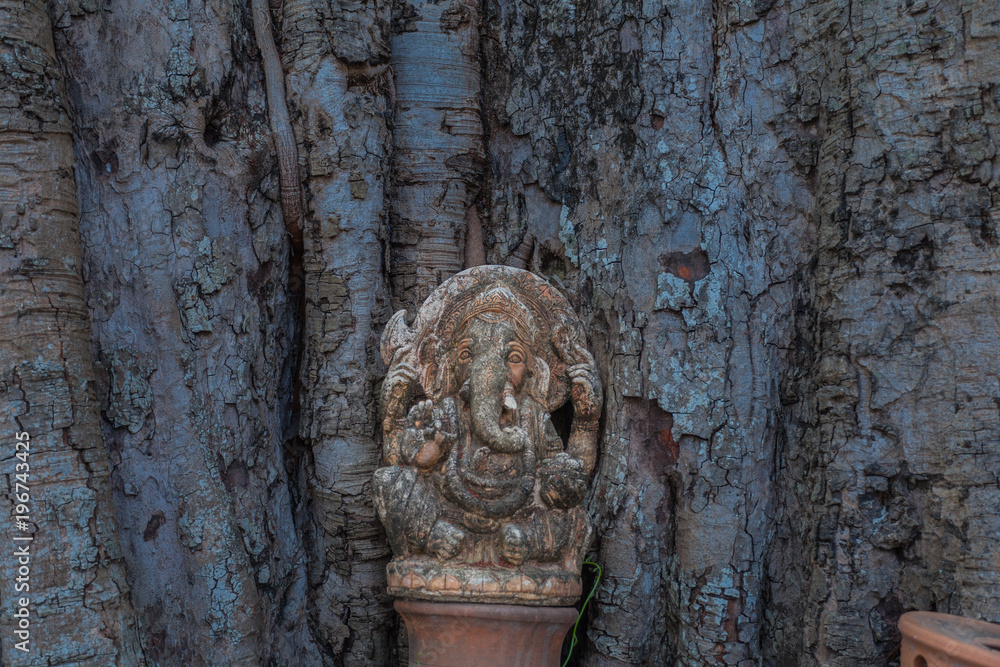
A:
{"x": 546, "y": 584}
{"x": 462, "y": 634}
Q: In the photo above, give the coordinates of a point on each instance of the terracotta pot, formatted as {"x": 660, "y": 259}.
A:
{"x": 457, "y": 634}
{"x": 942, "y": 640}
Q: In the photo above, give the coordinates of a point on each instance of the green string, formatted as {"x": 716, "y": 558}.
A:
{"x": 572, "y": 641}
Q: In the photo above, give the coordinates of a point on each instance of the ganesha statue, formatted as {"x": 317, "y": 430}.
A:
{"x": 482, "y": 486}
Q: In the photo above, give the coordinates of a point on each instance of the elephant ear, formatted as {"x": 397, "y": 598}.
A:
{"x": 395, "y": 336}
{"x": 430, "y": 359}
{"x": 542, "y": 381}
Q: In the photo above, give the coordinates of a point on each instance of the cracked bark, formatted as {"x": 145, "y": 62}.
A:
{"x": 438, "y": 142}
{"x": 335, "y": 60}
{"x": 80, "y": 609}
{"x": 890, "y": 472}
{"x": 749, "y": 203}
{"x": 186, "y": 263}
{"x": 777, "y": 219}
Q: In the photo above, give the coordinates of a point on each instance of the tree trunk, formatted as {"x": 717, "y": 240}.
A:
{"x": 438, "y": 141}
{"x": 777, "y": 219}
{"x": 65, "y": 598}
{"x": 767, "y": 212}
{"x": 194, "y": 327}
{"x": 890, "y": 472}
{"x": 335, "y": 57}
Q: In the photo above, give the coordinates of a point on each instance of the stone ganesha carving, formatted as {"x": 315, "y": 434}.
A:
{"x": 480, "y": 494}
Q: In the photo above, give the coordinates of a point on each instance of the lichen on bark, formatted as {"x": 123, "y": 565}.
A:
{"x": 186, "y": 260}
{"x": 777, "y": 220}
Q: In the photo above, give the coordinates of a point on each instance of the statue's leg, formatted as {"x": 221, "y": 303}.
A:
{"x": 545, "y": 537}
{"x": 446, "y": 539}
{"x": 391, "y": 489}
{"x": 410, "y": 506}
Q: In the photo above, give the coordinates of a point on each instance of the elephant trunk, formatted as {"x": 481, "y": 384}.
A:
{"x": 489, "y": 392}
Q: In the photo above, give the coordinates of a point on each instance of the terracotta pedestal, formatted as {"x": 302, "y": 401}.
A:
{"x": 942, "y": 640}
{"x": 458, "y": 634}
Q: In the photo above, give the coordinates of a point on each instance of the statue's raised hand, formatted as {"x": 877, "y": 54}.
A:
{"x": 427, "y": 437}
{"x": 397, "y": 385}
{"x": 582, "y": 371}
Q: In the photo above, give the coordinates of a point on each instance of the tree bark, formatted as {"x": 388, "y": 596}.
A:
{"x": 62, "y": 564}
{"x": 335, "y": 57}
{"x": 750, "y": 204}
{"x": 438, "y": 142}
{"x": 621, "y": 152}
{"x": 777, "y": 220}
{"x": 186, "y": 261}
{"x": 890, "y": 475}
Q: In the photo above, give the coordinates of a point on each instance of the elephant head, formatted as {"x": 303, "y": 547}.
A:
{"x": 493, "y": 364}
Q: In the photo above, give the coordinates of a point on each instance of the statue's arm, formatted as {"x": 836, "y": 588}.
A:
{"x": 587, "y": 399}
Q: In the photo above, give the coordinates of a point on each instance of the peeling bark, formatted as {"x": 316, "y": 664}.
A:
{"x": 891, "y": 473}
{"x": 186, "y": 264}
{"x": 605, "y": 147}
{"x": 709, "y": 181}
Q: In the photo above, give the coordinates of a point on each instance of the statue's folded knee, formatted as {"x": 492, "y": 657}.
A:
{"x": 408, "y": 506}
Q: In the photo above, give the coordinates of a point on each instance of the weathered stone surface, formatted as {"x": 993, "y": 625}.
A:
{"x": 480, "y": 495}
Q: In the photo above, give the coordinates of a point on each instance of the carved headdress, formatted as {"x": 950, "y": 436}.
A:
{"x": 539, "y": 313}
{"x": 497, "y": 304}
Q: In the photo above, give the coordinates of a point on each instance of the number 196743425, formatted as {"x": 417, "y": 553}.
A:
{"x": 22, "y": 449}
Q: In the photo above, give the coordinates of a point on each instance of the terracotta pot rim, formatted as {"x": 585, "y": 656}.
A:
{"x": 959, "y": 637}
{"x": 475, "y": 634}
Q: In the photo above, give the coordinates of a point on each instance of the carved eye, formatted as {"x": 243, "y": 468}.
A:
{"x": 515, "y": 358}
{"x": 464, "y": 355}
